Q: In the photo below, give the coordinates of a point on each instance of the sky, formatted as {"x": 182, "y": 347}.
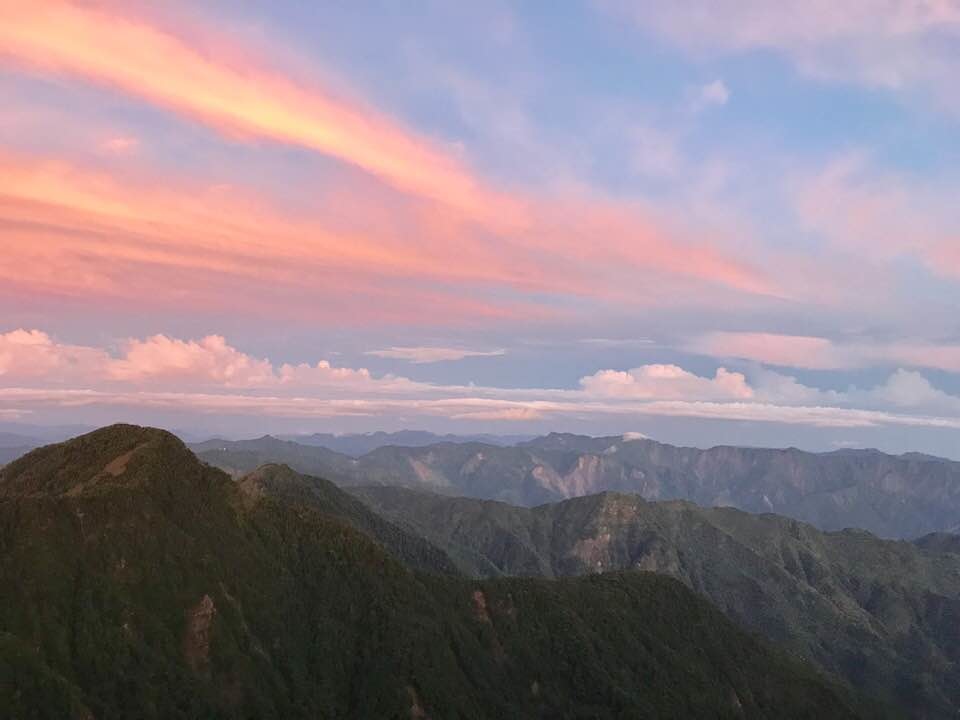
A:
{"x": 708, "y": 221}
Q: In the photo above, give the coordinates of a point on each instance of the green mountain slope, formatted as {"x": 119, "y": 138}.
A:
{"x": 284, "y": 484}
{"x": 883, "y": 614}
{"x": 139, "y": 582}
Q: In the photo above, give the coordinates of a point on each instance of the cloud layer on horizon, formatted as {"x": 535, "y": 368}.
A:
{"x": 210, "y": 376}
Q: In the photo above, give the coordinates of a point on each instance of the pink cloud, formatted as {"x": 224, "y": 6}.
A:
{"x": 666, "y": 382}
{"x": 207, "y": 360}
{"x": 120, "y": 145}
{"x": 162, "y": 361}
{"x": 817, "y": 353}
{"x": 770, "y": 348}
{"x": 881, "y": 215}
{"x": 34, "y": 355}
{"x": 471, "y": 235}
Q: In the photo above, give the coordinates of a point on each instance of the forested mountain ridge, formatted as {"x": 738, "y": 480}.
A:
{"x": 883, "y": 614}
{"x": 140, "y": 582}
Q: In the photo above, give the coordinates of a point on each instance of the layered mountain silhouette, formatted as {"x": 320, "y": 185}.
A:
{"x": 891, "y": 496}
{"x": 357, "y": 444}
{"x": 884, "y": 615}
{"x": 141, "y": 582}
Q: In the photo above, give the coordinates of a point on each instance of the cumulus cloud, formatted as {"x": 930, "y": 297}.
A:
{"x": 210, "y": 359}
{"x": 159, "y": 360}
{"x": 423, "y": 355}
{"x": 666, "y": 382}
{"x": 33, "y": 354}
{"x": 908, "y": 390}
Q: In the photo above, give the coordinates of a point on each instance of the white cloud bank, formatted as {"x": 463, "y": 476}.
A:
{"x": 209, "y": 376}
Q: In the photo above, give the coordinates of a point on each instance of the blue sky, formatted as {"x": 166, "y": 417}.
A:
{"x": 707, "y": 221}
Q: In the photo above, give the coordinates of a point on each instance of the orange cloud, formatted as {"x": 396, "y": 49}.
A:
{"x": 143, "y": 60}
{"x": 81, "y": 233}
{"x": 464, "y": 228}
{"x": 168, "y": 241}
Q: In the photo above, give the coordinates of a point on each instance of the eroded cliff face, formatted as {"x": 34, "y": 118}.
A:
{"x": 889, "y": 496}
{"x": 196, "y": 634}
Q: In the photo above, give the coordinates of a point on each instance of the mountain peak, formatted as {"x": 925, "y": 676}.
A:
{"x": 107, "y": 456}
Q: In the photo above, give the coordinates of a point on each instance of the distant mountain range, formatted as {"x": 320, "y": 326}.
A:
{"x": 359, "y": 444}
{"x": 891, "y": 496}
{"x": 140, "y": 582}
{"x": 18, "y": 439}
{"x": 884, "y": 615}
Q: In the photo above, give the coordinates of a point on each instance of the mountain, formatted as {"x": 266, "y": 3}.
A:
{"x": 891, "y": 496}
{"x": 883, "y": 614}
{"x": 14, "y": 445}
{"x": 37, "y": 435}
{"x": 283, "y": 484}
{"x": 357, "y": 444}
{"x": 242, "y": 456}
{"x": 140, "y": 582}
{"x": 9, "y": 454}
{"x": 15, "y": 440}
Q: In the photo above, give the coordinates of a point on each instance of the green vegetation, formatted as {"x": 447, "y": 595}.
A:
{"x": 884, "y": 615}
{"x": 139, "y": 582}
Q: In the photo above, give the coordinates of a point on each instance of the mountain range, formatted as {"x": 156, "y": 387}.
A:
{"x": 357, "y": 444}
{"x": 141, "y": 582}
{"x": 891, "y": 496}
{"x": 882, "y": 614}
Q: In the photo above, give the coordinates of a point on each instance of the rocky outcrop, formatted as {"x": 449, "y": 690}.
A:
{"x": 196, "y": 634}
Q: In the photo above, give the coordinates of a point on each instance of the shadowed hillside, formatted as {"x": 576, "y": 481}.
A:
{"x": 883, "y": 614}
{"x": 143, "y": 583}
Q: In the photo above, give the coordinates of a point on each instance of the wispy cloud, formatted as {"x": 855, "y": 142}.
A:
{"x": 424, "y": 355}
{"x": 523, "y": 239}
{"x": 880, "y": 214}
{"x": 120, "y": 144}
{"x": 712, "y": 93}
{"x": 905, "y": 46}
{"x": 818, "y": 353}
{"x": 84, "y": 41}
